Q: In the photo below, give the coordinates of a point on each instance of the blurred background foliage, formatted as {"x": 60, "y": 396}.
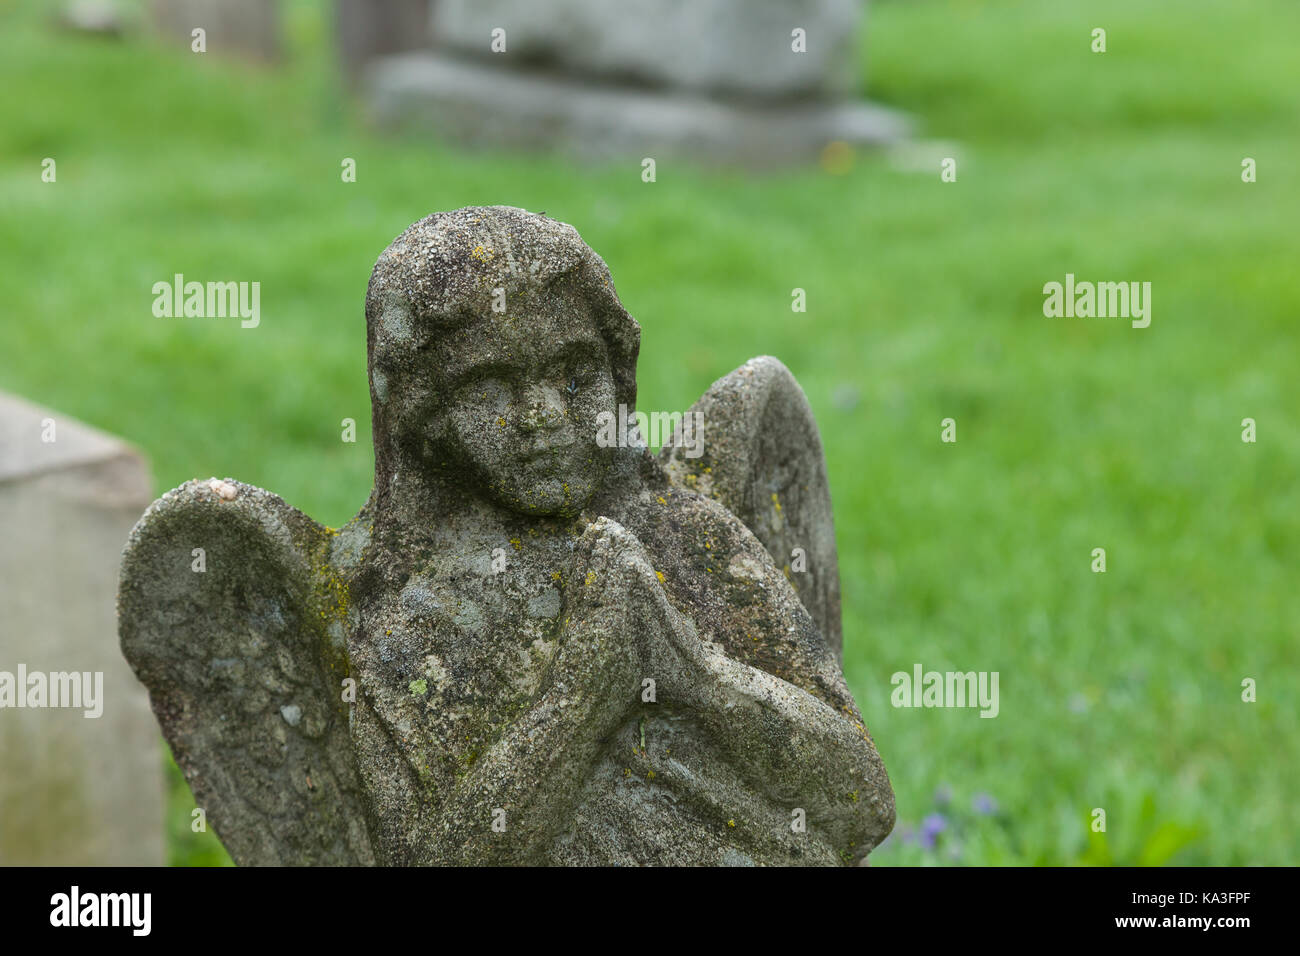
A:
{"x": 1119, "y": 691}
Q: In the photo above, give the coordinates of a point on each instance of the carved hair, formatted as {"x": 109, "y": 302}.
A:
{"x": 447, "y": 266}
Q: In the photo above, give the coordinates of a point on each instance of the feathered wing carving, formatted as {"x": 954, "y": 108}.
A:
{"x": 762, "y": 459}
{"x": 245, "y": 662}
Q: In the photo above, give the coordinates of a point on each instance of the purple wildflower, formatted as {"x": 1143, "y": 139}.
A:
{"x": 931, "y": 827}
{"x": 984, "y": 805}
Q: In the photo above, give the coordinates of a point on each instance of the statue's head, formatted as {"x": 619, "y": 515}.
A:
{"x": 496, "y": 340}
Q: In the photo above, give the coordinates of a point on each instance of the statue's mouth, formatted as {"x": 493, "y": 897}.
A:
{"x": 546, "y": 451}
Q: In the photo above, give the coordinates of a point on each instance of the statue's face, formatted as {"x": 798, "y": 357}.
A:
{"x": 513, "y": 400}
{"x": 523, "y": 405}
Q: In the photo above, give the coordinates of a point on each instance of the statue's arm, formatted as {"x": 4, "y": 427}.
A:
{"x": 795, "y": 749}
{"x": 620, "y": 628}
{"x": 762, "y": 679}
{"x": 740, "y": 599}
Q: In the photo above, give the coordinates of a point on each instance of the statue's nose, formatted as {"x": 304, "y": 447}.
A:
{"x": 543, "y": 407}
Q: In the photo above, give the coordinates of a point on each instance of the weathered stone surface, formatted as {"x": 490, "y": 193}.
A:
{"x": 732, "y": 47}
{"x": 764, "y": 462}
{"x": 74, "y": 790}
{"x": 560, "y": 656}
{"x": 247, "y": 28}
{"x": 485, "y": 104}
{"x": 244, "y": 662}
{"x": 370, "y": 28}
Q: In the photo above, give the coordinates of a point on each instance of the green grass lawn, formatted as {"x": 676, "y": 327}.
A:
{"x": 1119, "y": 691}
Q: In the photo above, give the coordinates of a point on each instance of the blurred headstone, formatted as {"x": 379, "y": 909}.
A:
{"x": 98, "y": 17}
{"x": 74, "y": 789}
{"x": 741, "y": 47}
{"x": 247, "y": 28}
{"x": 753, "y": 82}
{"x": 371, "y": 28}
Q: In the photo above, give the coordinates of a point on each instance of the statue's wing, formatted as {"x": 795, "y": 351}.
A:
{"x": 242, "y": 645}
{"x": 761, "y": 457}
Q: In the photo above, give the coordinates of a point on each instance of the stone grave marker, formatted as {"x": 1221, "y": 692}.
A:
{"x": 752, "y": 82}
{"x": 75, "y": 789}
{"x": 367, "y": 29}
{"x": 243, "y": 28}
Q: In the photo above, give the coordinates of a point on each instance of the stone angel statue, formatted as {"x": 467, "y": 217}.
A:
{"x": 531, "y": 645}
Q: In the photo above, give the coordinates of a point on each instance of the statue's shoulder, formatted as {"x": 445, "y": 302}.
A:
{"x": 718, "y": 572}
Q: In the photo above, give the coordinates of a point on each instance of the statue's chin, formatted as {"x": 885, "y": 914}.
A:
{"x": 546, "y": 497}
